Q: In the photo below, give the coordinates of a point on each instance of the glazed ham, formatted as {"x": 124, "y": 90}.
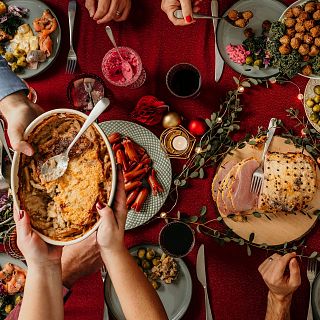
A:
{"x": 222, "y": 172}
{"x": 233, "y": 192}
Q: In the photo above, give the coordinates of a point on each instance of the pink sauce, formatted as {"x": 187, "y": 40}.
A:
{"x": 115, "y": 71}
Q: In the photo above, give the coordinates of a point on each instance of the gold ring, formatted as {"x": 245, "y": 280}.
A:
{"x": 118, "y": 13}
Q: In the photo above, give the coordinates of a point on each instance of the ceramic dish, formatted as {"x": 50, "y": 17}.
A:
{"x": 226, "y": 33}
{"x": 160, "y": 161}
{"x": 309, "y": 93}
{"x": 175, "y": 297}
{"x": 4, "y": 258}
{"x": 36, "y": 9}
{"x": 16, "y": 162}
{"x": 299, "y": 3}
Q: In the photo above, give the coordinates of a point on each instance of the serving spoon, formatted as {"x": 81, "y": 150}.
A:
{"x": 179, "y": 15}
{"x": 125, "y": 65}
{"x": 56, "y": 166}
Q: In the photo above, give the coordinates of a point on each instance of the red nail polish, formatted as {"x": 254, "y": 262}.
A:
{"x": 188, "y": 19}
{"x": 21, "y": 214}
{"x": 100, "y": 206}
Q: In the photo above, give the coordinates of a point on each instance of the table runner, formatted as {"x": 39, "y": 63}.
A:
{"x": 236, "y": 289}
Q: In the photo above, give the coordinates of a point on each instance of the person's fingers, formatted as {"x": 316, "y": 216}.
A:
{"x": 282, "y": 263}
{"x": 23, "y": 226}
{"x": 266, "y": 264}
{"x": 295, "y": 277}
{"x": 186, "y": 8}
{"x": 102, "y": 9}
{"x": 120, "y": 207}
{"x": 124, "y": 12}
{"x": 106, "y": 214}
{"x": 91, "y": 7}
{"x": 16, "y": 140}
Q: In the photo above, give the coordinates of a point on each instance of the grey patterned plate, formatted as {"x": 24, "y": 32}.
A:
{"x": 175, "y": 297}
{"x": 309, "y": 93}
{"x": 36, "y": 9}
{"x": 161, "y": 164}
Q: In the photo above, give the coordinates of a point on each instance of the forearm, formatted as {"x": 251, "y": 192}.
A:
{"x": 137, "y": 297}
{"x": 278, "y": 309}
{"x": 42, "y": 294}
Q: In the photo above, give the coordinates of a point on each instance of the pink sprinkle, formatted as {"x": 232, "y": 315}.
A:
{"x": 237, "y": 53}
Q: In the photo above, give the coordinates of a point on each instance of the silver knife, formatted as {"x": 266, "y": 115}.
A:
{"x": 218, "y": 68}
{"x": 201, "y": 274}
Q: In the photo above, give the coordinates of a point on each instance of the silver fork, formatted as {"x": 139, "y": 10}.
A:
{"x": 4, "y": 185}
{"x": 257, "y": 177}
{"x": 88, "y": 88}
{"x": 311, "y": 274}
{"x": 72, "y": 57}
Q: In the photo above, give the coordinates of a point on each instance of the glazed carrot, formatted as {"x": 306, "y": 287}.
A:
{"x": 114, "y": 137}
{"x": 155, "y": 185}
{"x": 130, "y": 150}
{"x": 141, "y": 198}
{"x": 129, "y": 186}
{"x": 132, "y": 197}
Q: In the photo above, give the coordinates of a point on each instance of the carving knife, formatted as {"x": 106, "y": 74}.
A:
{"x": 201, "y": 274}
{"x": 218, "y": 68}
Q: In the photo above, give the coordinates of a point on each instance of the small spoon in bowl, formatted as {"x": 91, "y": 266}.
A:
{"x": 125, "y": 65}
{"x": 179, "y": 15}
{"x": 56, "y": 166}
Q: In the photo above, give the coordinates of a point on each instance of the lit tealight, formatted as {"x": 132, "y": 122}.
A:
{"x": 300, "y": 96}
{"x": 180, "y": 143}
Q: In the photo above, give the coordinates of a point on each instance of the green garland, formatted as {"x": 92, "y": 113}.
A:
{"x": 216, "y": 143}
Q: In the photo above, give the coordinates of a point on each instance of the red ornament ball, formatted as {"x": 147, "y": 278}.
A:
{"x": 197, "y": 127}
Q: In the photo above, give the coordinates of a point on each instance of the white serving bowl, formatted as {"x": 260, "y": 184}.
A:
{"x": 15, "y": 170}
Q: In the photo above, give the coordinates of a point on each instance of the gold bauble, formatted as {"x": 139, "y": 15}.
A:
{"x": 171, "y": 119}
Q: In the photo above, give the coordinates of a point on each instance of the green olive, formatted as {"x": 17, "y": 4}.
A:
{"x": 316, "y": 89}
{"x": 258, "y": 63}
{"x": 156, "y": 261}
{"x": 146, "y": 265}
{"x": 9, "y": 57}
{"x": 150, "y": 254}
{"x": 316, "y": 108}
{"x": 8, "y": 308}
{"x": 249, "y": 60}
{"x": 17, "y": 299}
{"x": 137, "y": 260}
{"x": 316, "y": 99}
{"x": 155, "y": 284}
{"x": 314, "y": 117}
{"x": 141, "y": 253}
{"x": 310, "y": 103}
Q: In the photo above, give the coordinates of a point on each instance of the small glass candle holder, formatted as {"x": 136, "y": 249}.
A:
{"x": 113, "y": 71}
{"x": 176, "y": 239}
{"x": 32, "y": 95}
{"x": 184, "y": 80}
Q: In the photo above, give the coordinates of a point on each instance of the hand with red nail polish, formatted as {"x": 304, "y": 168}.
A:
{"x": 104, "y": 11}
{"x": 187, "y": 7}
{"x": 126, "y": 277}
{"x": 43, "y": 287}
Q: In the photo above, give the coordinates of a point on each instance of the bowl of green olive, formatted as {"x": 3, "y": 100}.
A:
{"x": 312, "y": 102}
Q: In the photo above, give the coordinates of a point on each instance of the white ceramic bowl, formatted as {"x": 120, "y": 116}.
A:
{"x": 15, "y": 170}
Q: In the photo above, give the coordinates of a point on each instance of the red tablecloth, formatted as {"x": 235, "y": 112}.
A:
{"x": 236, "y": 289}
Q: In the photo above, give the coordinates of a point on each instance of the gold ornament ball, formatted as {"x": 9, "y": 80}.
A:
{"x": 171, "y": 119}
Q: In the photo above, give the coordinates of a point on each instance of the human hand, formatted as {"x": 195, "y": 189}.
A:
{"x": 273, "y": 270}
{"x": 19, "y": 111}
{"x": 187, "y": 7}
{"x": 111, "y": 230}
{"x": 36, "y": 252}
{"x": 104, "y": 11}
{"x": 79, "y": 260}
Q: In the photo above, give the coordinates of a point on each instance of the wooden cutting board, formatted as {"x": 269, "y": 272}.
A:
{"x": 283, "y": 227}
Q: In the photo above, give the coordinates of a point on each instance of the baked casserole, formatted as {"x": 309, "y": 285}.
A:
{"x": 64, "y": 209}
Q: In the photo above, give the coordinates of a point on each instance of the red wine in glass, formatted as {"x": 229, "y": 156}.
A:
{"x": 184, "y": 80}
{"x": 176, "y": 239}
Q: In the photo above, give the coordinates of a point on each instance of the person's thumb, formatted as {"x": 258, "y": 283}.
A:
{"x": 186, "y": 8}
{"x": 17, "y": 143}
{"x": 105, "y": 213}
{"x": 23, "y": 226}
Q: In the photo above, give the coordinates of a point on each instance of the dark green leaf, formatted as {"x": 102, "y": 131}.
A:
{"x": 248, "y": 250}
{"x": 219, "y": 218}
{"x": 194, "y": 174}
{"x": 313, "y": 255}
{"x": 246, "y": 84}
{"x": 203, "y": 211}
{"x": 209, "y": 123}
{"x": 257, "y": 214}
{"x": 201, "y": 162}
{"x": 236, "y": 80}
{"x": 226, "y": 239}
{"x": 241, "y": 242}
{"x": 177, "y": 182}
{"x": 253, "y": 142}
{"x": 251, "y": 237}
